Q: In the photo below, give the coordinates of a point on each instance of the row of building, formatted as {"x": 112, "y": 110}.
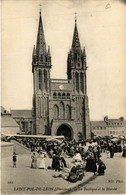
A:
{"x": 21, "y": 121}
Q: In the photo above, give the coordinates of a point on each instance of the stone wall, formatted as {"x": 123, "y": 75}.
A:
{"x": 6, "y": 149}
{"x": 19, "y": 148}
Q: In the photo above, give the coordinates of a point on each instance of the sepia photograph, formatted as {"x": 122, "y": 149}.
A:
{"x": 63, "y": 97}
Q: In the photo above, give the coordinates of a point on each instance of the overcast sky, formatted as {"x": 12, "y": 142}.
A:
{"x": 102, "y": 30}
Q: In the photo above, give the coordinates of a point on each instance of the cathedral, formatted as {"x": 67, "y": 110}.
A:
{"x": 60, "y": 106}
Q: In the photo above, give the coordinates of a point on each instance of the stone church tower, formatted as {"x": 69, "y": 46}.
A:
{"x": 41, "y": 82}
{"x": 60, "y": 106}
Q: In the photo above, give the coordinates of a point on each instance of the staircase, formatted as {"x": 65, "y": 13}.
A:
{"x": 19, "y": 148}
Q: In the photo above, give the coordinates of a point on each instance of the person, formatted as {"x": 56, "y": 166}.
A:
{"x": 101, "y": 168}
{"x": 41, "y": 163}
{"x": 124, "y": 151}
{"x": 14, "y": 160}
{"x": 119, "y": 147}
{"x": 77, "y": 172}
{"x": 93, "y": 165}
{"x": 34, "y": 160}
{"x": 107, "y": 151}
{"x": 56, "y": 162}
{"x": 63, "y": 162}
{"x": 111, "y": 151}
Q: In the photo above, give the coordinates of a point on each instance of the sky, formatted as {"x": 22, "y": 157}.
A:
{"x": 102, "y": 30}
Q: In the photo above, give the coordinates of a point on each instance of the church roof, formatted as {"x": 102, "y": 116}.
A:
{"x": 8, "y": 121}
{"x": 98, "y": 123}
{"x": 21, "y": 113}
{"x": 114, "y": 120}
{"x": 9, "y": 125}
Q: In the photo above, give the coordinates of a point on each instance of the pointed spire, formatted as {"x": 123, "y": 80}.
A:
{"x": 41, "y": 45}
{"x": 76, "y": 41}
{"x": 49, "y": 54}
{"x": 34, "y": 51}
{"x": 84, "y": 53}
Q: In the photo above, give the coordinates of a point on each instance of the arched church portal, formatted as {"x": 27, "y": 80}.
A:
{"x": 65, "y": 130}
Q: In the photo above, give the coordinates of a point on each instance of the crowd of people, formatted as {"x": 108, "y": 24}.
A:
{"x": 90, "y": 156}
{"x": 86, "y": 155}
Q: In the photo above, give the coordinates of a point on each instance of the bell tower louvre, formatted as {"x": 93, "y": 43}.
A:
{"x": 60, "y": 106}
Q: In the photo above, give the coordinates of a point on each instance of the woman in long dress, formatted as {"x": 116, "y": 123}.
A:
{"x": 41, "y": 162}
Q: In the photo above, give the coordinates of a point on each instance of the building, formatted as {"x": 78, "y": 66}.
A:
{"x": 109, "y": 127}
{"x": 60, "y": 106}
{"x": 99, "y": 128}
{"x": 24, "y": 120}
{"x": 8, "y": 124}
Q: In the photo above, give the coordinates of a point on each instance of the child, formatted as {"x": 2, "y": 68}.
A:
{"x": 34, "y": 160}
{"x": 14, "y": 160}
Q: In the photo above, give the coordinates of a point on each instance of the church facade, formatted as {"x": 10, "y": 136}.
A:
{"x": 60, "y": 106}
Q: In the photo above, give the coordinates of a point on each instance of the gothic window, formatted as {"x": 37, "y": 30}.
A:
{"x": 82, "y": 62}
{"x": 59, "y": 95}
{"x": 37, "y": 57}
{"x": 68, "y": 112}
{"x": 75, "y": 57}
{"x": 45, "y": 105}
{"x": 40, "y": 79}
{"x": 41, "y": 58}
{"x": 30, "y": 124}
{"x": 62, "y": 110}
{"x": 26, "y": 126}
{"x": 54, "y": 95}
{"x": 39, "y": 102}
{"x": 63, "y": 95}
{"x": 23, "y": 126}
{"x": 45, "y": 79}
{"x": 68, "y": 96}
{"x": 77, "y": 81}
{"x": 82, "y": 82}
{"x": 56, "y": 112}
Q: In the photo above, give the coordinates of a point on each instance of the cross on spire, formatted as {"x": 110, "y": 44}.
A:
{"x": 40, "y": 8}
{"x": 76, "y": 42}
{"x": 75, "y": 17}
{"x": 41, "y": 44}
